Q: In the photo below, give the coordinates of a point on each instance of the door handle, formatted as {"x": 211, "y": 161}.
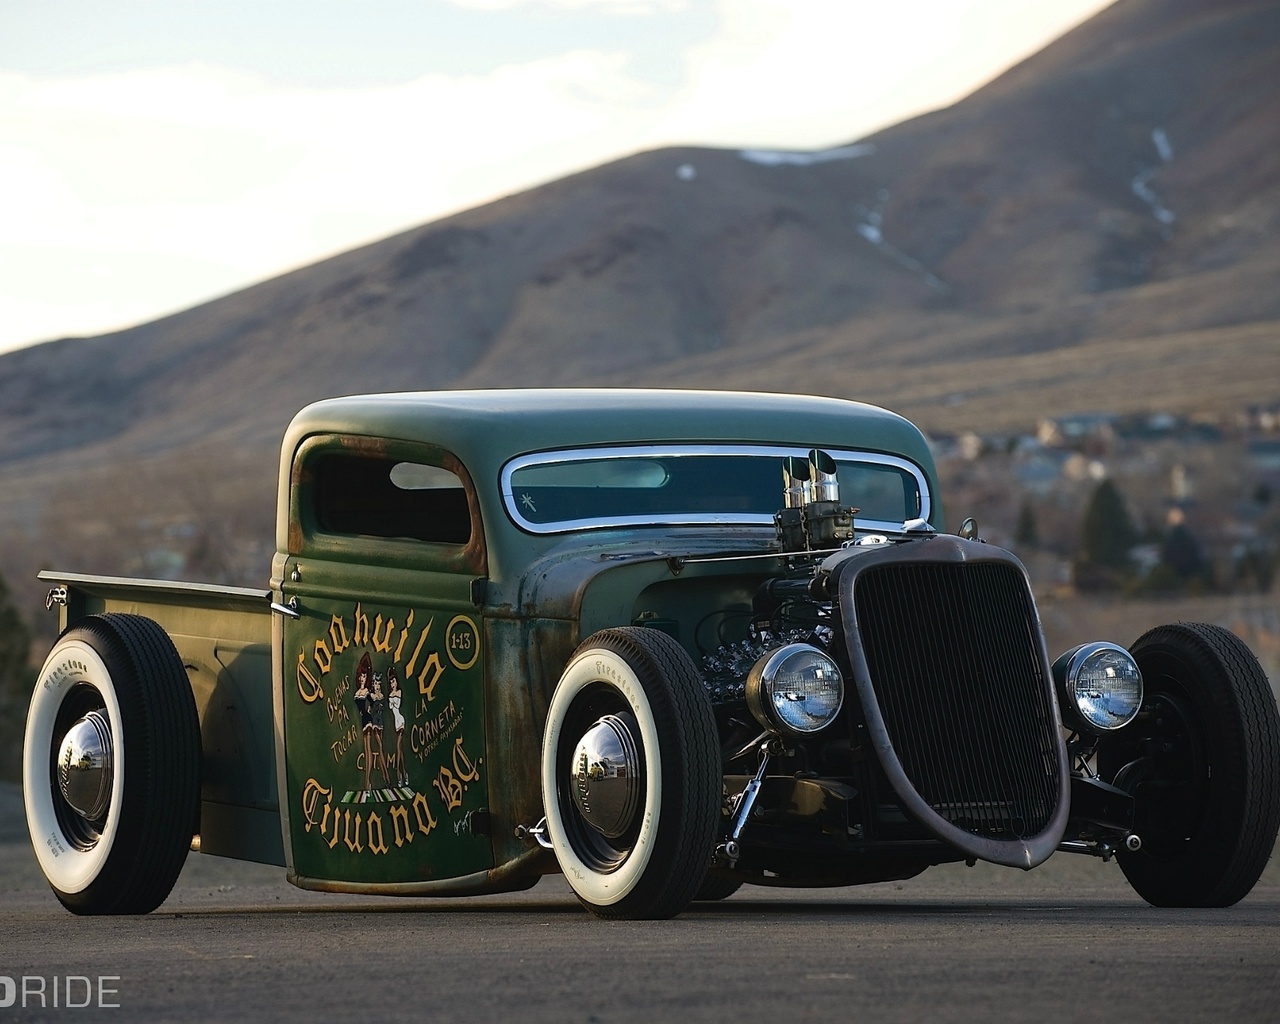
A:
{"x": 290, "y": 610}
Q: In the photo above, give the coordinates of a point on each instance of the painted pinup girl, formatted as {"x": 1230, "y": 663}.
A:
{"x": 364, "y": 674}
{"x": 393, "y": 702}
{"x": 368, "y": 698}
{"x": 375, "y": 715}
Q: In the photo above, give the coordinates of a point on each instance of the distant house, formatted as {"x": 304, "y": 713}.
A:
{"x": 1262, "y": 418}
{"x": 1264, "y": 455}
{"x": 1077, "y": 430}
{"x": 1039, "y": 471}
{"x": 1151, "y": 426}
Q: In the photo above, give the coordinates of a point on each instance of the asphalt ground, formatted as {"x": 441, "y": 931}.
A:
{"x": 1066, "y": 942}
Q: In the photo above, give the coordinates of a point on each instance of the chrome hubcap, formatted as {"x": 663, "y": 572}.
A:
{"x": 85, "y": 766}
{"x": 607, "y": 786}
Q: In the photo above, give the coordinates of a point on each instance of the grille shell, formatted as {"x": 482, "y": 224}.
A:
{"x": 950, "y": 666}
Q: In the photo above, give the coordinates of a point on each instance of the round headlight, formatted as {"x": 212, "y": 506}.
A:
{"x": 796, "y": 689}
{"x": 1100, "y": 687}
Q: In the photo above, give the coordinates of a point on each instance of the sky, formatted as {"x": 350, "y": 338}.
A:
{"x": 155, "y": 154}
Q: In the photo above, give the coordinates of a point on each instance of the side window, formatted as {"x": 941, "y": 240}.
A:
{"x": 374, "y": 496}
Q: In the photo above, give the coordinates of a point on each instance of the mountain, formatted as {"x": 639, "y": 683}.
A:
{"x": 1098, "y": 228}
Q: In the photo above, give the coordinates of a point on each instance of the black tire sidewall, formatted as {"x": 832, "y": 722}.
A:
{"x": 717, "y": 887}
{"x": 1224, "y": 696}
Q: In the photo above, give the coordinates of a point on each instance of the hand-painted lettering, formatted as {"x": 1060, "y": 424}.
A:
{"x": 387, "y": 760}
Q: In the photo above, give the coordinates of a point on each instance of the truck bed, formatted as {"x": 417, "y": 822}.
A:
{"x": 224, "y": 637}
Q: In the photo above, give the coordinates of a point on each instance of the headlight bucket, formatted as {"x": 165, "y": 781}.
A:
{"x": 1099, "y": 687}
{"x": 796, "y": 689}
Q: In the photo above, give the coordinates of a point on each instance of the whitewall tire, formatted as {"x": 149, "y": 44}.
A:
{"x": 631, "y": 778}
{"x": 111, "y": 766}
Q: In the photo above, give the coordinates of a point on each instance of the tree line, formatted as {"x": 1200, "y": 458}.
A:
{"x": 1113, "y": 553}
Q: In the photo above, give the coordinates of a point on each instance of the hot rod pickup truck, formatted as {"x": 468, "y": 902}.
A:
{"x": 668, "y": 643}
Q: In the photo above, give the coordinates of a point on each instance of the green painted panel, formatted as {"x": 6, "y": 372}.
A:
{"x": 379, "y": 786}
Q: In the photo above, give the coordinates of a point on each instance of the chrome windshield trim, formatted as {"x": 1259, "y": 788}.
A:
{"x": 690, "y": 518}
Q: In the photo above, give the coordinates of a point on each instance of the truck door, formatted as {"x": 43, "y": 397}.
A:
{"x": 382, "y": 675}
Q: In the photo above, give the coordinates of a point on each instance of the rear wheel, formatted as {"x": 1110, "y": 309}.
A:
{"x": 1202, "y": 760}
{"x": 631, "y": 775}
{"x": 111, "y": 766}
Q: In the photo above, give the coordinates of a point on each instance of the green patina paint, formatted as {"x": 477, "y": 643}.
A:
{"x": 485, "y": 429}
{"x": 385, "y": 742}
{"x": 409, "y": 603}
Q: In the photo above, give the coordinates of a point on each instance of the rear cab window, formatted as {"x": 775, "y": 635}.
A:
{"x": 396, "y": 503}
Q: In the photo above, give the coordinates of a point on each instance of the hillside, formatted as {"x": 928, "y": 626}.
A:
{"x": 1097, "y": 228}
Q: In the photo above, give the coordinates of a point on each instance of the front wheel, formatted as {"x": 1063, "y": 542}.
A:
{"x": 111, "y": 766}
{"x": 631, "y": 775}
{"x": 1202, "y": 760}
{"x": 717, "y": 887}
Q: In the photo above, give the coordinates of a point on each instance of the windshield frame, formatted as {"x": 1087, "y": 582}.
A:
{"x": 684, "y": 450}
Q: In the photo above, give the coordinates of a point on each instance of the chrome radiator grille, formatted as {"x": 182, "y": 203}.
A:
{"x": 955, "y": 663}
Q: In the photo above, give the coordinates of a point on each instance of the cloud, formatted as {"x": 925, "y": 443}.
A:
{"x": 220, "y": 165}
{"x": 622, "y": 7}
{"x": 160, "y": 186}
{"x": 221, "y": 178}
{"x": 811, "y": 72}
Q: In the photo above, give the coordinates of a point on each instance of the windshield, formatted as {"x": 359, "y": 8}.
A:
{"x": 551, "y": 492}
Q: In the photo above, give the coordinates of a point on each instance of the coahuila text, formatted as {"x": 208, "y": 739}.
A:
{"x": 383, "y": 637}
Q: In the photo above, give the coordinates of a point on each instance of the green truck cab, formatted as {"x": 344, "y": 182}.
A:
{"x": 668, "y": 643}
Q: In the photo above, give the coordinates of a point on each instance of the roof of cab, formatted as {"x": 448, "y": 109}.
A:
{"x": 486, "y": 428}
